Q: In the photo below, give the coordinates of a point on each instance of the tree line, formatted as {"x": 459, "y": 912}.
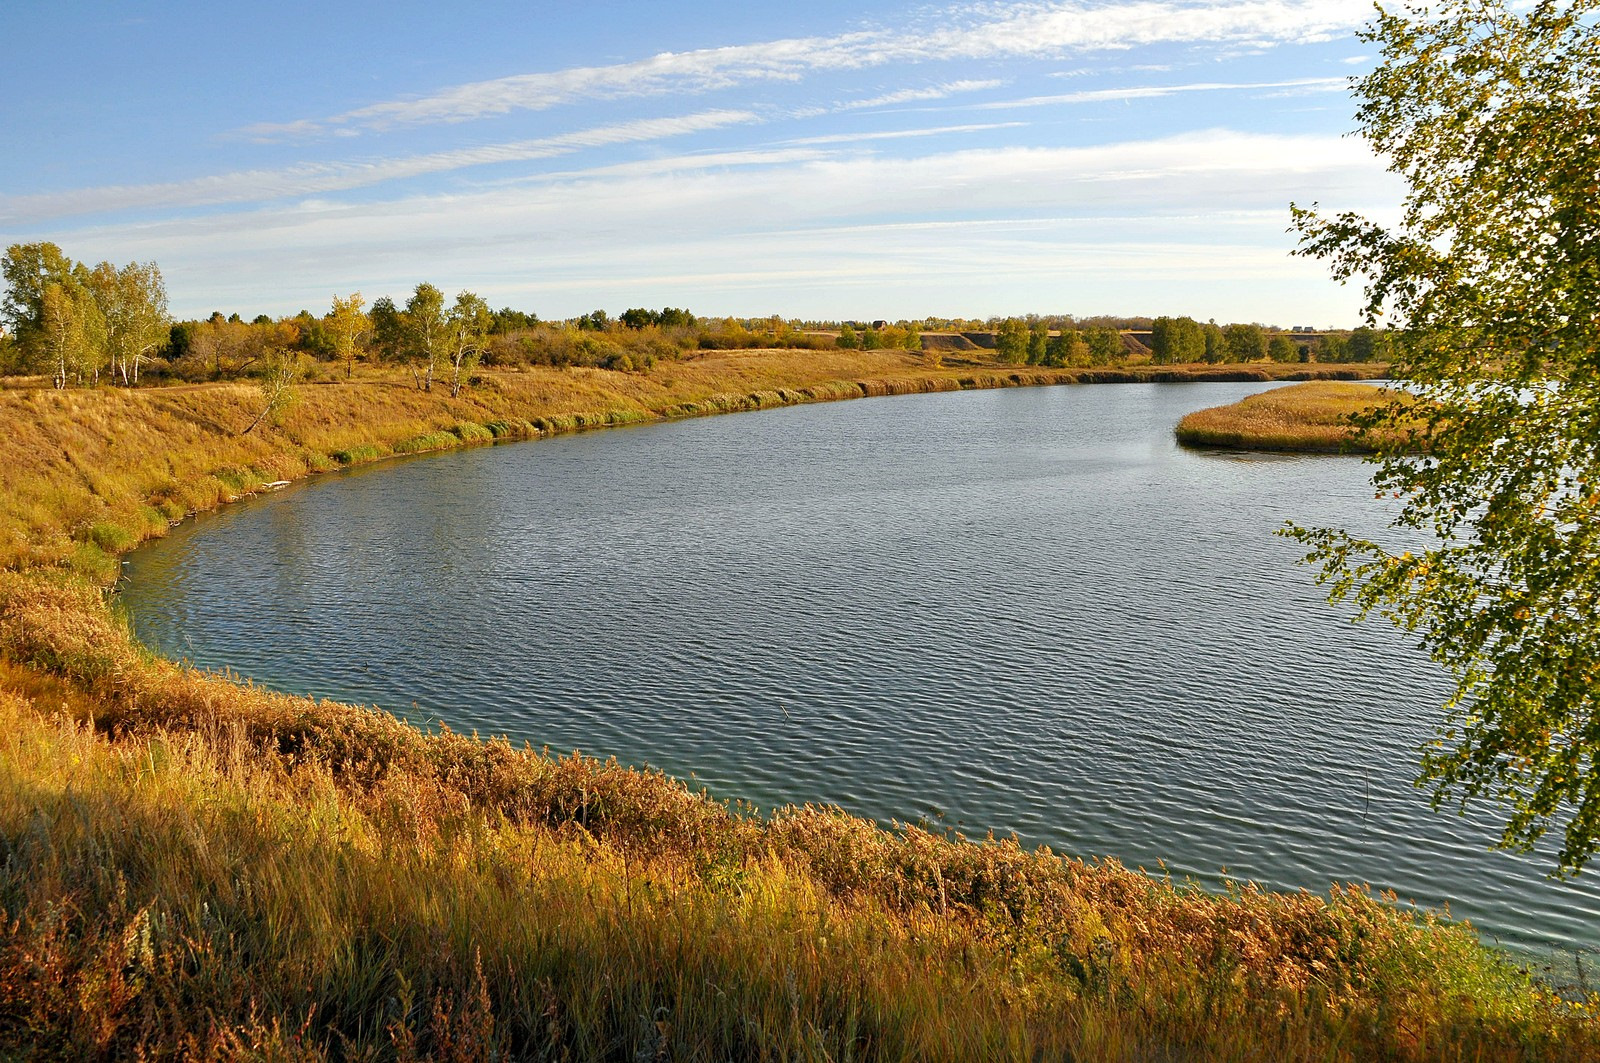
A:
{"x": 82, "y": 326}
{"x": 1177, "y": 340}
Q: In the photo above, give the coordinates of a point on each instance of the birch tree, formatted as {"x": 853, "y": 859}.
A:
{"x": 133, "y": 303}
{"x": 347, "y": 325}
{"x": 468, "y": 324}
{"x": 1491, "y": 114}
{"x": 70, "y": 334}
{"x": 425, "y": 330}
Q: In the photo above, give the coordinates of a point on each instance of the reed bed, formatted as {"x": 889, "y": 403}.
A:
{"x": 193, "y": 867}
{"x": 1312, "y": 417}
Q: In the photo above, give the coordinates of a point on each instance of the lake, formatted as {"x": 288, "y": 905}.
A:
{"x": 1019, "y": 611}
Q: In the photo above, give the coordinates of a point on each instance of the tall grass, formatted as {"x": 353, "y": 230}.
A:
{"x": 194, "y": 867}
{"x": 366, "y": 891}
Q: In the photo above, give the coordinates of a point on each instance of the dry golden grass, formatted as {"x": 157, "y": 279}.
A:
{"x": 1312, "y": 417}
{"x": 197, "y": 866}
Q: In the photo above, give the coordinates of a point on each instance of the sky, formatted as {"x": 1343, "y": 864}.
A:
{"x": 819, "y": 161}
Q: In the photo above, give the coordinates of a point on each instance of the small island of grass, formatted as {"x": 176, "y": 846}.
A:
{"x": 1313, "y": 417}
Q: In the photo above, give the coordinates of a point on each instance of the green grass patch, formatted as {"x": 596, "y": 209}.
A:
{"x": 441, "y": 440}
{"x": 359, "y": 454}
{"x": 112, "y": 538}
{"x": 317, "y": 461}
{"x": 91, "y": 561}
{"x": 512, "y": 429}
{"x": 238, "y": 479}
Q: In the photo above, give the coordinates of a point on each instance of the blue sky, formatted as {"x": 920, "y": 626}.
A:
{"x": 823, "y": 160}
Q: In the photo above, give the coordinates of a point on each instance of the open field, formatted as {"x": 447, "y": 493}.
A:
{"x": 196, "y": 867}
{"x": 1313, "y": 417}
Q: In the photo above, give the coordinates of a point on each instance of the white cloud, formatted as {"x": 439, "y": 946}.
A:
{"x": 983, "y": 230}
{"x": 1144, "y": 92}
{"x": 249, "y": 186}
{"x": 934, "y": 92}
{"x": 901, "y": 134}
{"x": 987, "y": 32}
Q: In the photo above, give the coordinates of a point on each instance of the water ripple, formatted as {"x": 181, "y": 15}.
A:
{"x": 1013, "y": 611}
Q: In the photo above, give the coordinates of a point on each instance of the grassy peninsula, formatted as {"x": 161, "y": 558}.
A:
{"x": 1312, "y": 417}
{"x": 195, "y": 867}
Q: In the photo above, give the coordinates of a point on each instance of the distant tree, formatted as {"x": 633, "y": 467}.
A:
{"x": 871, "y": 339}
{"x": 10, "y": 355}
{"x": 1011, "y": 341}
{"x": 281, "y": 370}
{"x": 638, "y": 318}
{"x": 913, "y": 338}
{"x": 71, "y": 333}
{"x": 672, "y": 317}
{"x": 310, "y": 334}
{"x": 221, "y": 348}
{"x": 468, "y": 322}
{"x": 1368, "y": 345}
{"x": 1333, "y": 347}
{"x": 1105, "y": 345}
{"x": 507, "y": 320}
{"x": 424, "y": 332}
{"x": 1280, "y": 348}
{"x": 848, "y": 340}
{"x": 133, "y": 302}
{"x": 595, "y": 321}
{"x": 388, "y": 328}
{"x": 1216, "y": 349}
{"x": 180, "y": 338}
{"x": 1244, "y": 343}
{"x": 28, "y": 270}
{"x": 1176, "y": 340}
{"x": 346, "y": 326}
{"x": 1038, "y": 342}
{"x": 1067, "y": 348}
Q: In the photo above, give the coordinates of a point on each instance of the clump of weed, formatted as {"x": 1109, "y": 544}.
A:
{"x": 359, "y": 454}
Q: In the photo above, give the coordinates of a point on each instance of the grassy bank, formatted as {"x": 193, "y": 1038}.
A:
{"x": 87, "y": 474}
{"x": 1311, "y": 417}
{"x": 189, "y": 866}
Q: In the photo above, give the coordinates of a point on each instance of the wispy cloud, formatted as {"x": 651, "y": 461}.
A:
{"x": 802, "y": 231}
{"x": 934, "y": 92}
{"x": 902, "y": 134}
{"x": 1030, "y": 29}
{"x": 251, "y": 186}
{"x": 1146, "y": 92}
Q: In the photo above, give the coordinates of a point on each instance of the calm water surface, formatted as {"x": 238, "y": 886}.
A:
{"x": 1021, "y": 611}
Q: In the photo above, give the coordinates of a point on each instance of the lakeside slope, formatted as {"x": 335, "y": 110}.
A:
{"x": 199, "y": 867}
